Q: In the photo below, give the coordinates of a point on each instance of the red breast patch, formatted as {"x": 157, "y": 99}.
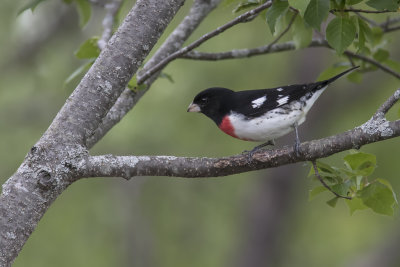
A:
{"x": 226, "y": 127}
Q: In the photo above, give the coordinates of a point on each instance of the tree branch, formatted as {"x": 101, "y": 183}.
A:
{"x": 362, "y": 11}
{"x": 242, "y": 53}
{"x": 284, "y": 31}
{"x": 374, "y": 130}
{"x": 108, "y": 22}
{"x": 188, "y": 167}
{"x": 385, "y": 107}
{"x": 373, "y": 62}
{"x": 127, "y": 100}
{"x": 198, "y": 42}
{"x": 314, "y": 163}
{"x": 267, "y": 49}
{"x": 391, "y": 29}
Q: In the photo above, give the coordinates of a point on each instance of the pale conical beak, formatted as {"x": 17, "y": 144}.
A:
{"x": 193, "y": 108}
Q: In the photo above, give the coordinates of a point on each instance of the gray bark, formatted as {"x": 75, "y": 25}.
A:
{"x": 51, "y": 164}
{"x": 189, "y": 167}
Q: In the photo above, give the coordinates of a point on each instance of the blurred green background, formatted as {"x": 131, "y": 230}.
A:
{"x": 259, "y": 218}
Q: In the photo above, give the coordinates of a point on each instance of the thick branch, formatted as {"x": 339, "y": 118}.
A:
{"x": 112, "y": 70}
{"x": 49, "y": 166}
{"x": 374, "y": 130}
{"x": 130, "y": 166}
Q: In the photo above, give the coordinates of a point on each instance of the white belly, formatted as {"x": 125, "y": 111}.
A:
{"x": 273, "y": 124}
{"x": 268, "y": 127}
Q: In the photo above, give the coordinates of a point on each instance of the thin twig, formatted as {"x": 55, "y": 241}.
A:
{"x": 362, "y": 11}
{"x": 237, "y": 20}
{"x": 284, "y": 32}
{"x": 241, "y": 53}
{"x": 370, "y": 21}
{"x": 373, "y": 62}
{"x": 314, "y": 163}
{"x": 391, "y": 29}
{"x": 108, "y": 22}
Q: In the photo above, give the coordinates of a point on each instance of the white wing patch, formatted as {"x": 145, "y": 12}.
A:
{"x": 258, "y": 102}
{"x": 279, "y": 89}
{"x": 283, "y": 100}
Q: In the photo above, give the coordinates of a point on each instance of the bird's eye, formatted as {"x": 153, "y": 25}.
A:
{"x": 204, "y": 100}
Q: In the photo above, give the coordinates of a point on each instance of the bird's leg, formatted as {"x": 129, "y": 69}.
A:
{"x": 251, "y": 152}
{"x": 297, "y": 141}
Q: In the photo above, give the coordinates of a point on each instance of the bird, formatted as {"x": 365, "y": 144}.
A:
{"x": 261, "y": 115}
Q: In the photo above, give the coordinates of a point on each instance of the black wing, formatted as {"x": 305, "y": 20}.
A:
{"x": 253, "y": 103}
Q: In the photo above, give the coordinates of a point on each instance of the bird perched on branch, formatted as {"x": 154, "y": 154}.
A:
{"x": 260, "y": 115}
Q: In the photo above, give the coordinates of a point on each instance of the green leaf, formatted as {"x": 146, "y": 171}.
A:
{"x": 342, "y": 188}
{"x": 316, "y": 12}
{"x": 282, "y": 22}
{"x": 355, "y": 204}
{"x": 387, "y": 183}
{"x": 379, "y": 198}
{"x": 338, "y": 4}
{"x": 326, "y": 172}
{"x": 383, "y": 4}
{"x": 31, "y": 5}
{"x": 302, "y": 33}
{"x": 316, "y": 191}
{"x": 361, "y": 163}
{"x": 377, "y": 36}
{"x": 381, "y": 55}
{"x": 355, "y": 77}
{"x": 84, "y": 10}
{"x": 88, "y": 49}
{"x": 364, "y": 33}
{"x": 246, "y": 5}
{"x": 278, "y": 9}
{"x": 300, "y": 5}
{"x": 333, "y": 202}
{"x": 340, "y": 33}
{"x": 79, "y": 72}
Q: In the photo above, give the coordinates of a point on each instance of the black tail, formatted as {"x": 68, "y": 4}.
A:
{"x": 334, "y": 78}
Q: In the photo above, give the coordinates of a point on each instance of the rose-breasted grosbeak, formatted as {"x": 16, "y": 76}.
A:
{"x": 260, "y": 115}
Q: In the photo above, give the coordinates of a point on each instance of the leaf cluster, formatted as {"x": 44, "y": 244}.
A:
{"x": 354, "y": 181}
{"x": 339, "y": 21}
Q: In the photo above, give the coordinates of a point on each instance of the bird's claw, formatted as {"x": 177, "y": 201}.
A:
{"x": 297, "y": 149}
{"x": 251, "y": 153}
